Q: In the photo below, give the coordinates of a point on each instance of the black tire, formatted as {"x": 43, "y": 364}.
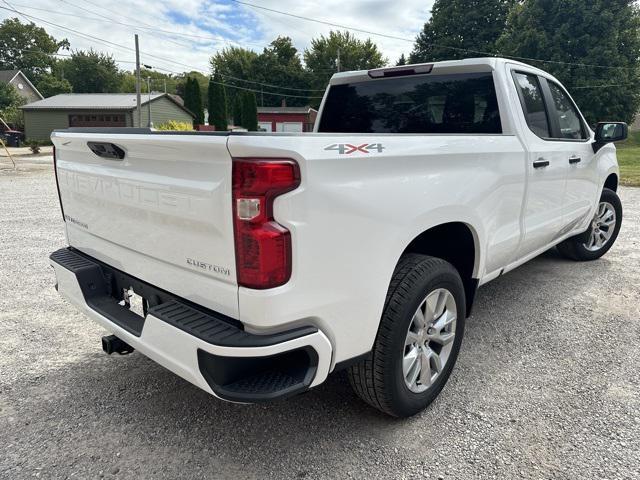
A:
{"x": 379, "y": 379}
{"x": 574, "y": 248}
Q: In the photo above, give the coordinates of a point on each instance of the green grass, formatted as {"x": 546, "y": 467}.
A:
{"x": 629, "y": 160}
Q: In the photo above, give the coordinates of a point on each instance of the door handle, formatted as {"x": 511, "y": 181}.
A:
{"x": 541, "y": 163}
{"x": 574, "y": 159}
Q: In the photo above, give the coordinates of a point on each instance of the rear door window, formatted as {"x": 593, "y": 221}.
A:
{"x": 532, "y": 102}
{"x": 454, "y": 104}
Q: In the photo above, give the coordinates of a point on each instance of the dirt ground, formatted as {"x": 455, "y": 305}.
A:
{"x": 546, "y": 386}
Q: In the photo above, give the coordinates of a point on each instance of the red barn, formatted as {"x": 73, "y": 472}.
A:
{"x": 286, "y": 119}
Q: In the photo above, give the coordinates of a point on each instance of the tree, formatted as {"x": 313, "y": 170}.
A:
{"x": 201, "y": 79}
{"x": 237, "y": 109}
{"x": 193, "y": 100}
{"x": 249, "y": 111}
{"x": 217, "y": 104}
{"x": 277, "y": 72}
{"x": 234, "y": 64}
{"x": 28, "y": 48}
{"x": 461, "y": 29}
{"x": 321, "y": 58}
{"x": 49, "y": 85}
{"x": 10, "y": 101}
{"x": 280, "y": 65}
{"x": 198, "y": 107}
{"x": 91, "y": 72}
{"x": 401, "y": 61}
{"x": 234, "y": 61}
{"x": 8, "y": 96}
{"x": 188, "y": 96}
{"x": 158, "y": 81}
{"x": 588, "y": 44}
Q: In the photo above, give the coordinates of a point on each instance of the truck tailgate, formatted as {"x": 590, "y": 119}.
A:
{"x": 162, "y": 213}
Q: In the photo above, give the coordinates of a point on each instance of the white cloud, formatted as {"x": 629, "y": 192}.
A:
{"x": 214, "y": 25}
{"x": 400, "y": 19}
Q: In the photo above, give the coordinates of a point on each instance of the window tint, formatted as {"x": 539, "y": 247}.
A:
{"x": 461, "y": 103}
{"x": 533, "y": 104}
{"x": 568, "y": 118}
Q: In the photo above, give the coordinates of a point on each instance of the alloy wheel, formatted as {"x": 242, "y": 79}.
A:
{"x": 602, "y": 227}
{"x": 429, "y": 340}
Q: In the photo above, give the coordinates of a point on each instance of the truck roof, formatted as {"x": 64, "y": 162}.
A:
{"x": 467, "y": 64}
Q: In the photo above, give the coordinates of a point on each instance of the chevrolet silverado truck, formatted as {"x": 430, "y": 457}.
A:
{"x": 255, "y": 264}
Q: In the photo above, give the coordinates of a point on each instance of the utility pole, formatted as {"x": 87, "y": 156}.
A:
{"x": 149, "y": 103}
{"x": 138, "y": 82}
{"x": 165, "y": 85}
{"x": 338, "y": 60}
{"x": 261, "y": 97}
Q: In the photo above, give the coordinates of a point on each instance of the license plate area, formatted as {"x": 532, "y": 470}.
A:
{"x": 135, "y": 303}
{"x": 126, "y": 300}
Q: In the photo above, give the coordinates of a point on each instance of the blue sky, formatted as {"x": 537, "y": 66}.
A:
{"x": 179, "y": 35}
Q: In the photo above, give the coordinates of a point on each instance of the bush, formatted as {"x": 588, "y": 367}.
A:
{"x": 174, "y": 125}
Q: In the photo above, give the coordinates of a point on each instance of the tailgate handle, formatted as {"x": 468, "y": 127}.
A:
{"x": 106, "y": 150}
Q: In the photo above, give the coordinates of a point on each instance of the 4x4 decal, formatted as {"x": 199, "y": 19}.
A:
{"x": 348, "y": 148}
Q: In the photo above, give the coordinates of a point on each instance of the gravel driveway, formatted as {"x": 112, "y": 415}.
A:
{"x": 546, "y": 386}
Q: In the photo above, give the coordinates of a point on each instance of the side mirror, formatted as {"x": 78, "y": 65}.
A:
{"x": 609, "y": 132}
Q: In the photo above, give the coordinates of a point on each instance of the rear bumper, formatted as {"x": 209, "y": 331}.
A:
{"x": 206, "y": 348}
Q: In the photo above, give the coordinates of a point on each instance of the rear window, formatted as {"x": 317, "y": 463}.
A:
{"x": 459, "y": 103}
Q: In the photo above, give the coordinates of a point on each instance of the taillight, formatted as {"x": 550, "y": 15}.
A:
{"x": 263, "y": 246}
{"x": 55, "y": 171}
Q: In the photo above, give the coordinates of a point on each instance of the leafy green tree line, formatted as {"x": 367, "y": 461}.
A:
{"x": 592, "y": 47}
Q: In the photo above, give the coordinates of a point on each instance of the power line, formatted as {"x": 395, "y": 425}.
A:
{"x": 322, "y": 22}
{"x": 13, "y": 8}
{"x": 164, "y": 69}
{"x": 166, "y": 37}
{"x": 67, "y": 55}
{"x": 227, "y": 85}
{"x": 135, "y": 26}
{"x": 220, "y": 37}
{"x": 29, "y": 51}
{"x": 42, "y": 52}
{"x": 603, "y": 86}
{"x": 267, "y": 84}
{"x": 174, "y": 73}
{"x": 394, "y": 37}
{"x": 84, "y": 35}
{"x": 263, "y": 84}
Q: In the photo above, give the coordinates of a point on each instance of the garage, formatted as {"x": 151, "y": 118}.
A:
{"x": 286, "y": 119}
{"x": 100, "y": 110}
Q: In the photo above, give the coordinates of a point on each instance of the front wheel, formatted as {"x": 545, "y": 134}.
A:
{"x": 602, "y": 233}
{"x": 418, "y": 339}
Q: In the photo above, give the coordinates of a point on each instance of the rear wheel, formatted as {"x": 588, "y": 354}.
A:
{"x": 418, "y": 339}
{"x": 602, "y": 233}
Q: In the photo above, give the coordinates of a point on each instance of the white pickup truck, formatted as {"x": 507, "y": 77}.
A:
{"x": 255, "y": 264}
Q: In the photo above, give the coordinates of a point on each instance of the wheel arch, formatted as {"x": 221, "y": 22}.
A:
{"x": 611, "y": 182}
{"x": 458, "y": 244}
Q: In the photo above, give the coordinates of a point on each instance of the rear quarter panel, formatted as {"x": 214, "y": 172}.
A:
{"x": 354, "y": 215}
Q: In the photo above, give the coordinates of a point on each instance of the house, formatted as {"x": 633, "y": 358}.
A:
{"x": 99, "y": 110}
{"x": 286, "y": 119}
{"x": 21, "y": 83}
